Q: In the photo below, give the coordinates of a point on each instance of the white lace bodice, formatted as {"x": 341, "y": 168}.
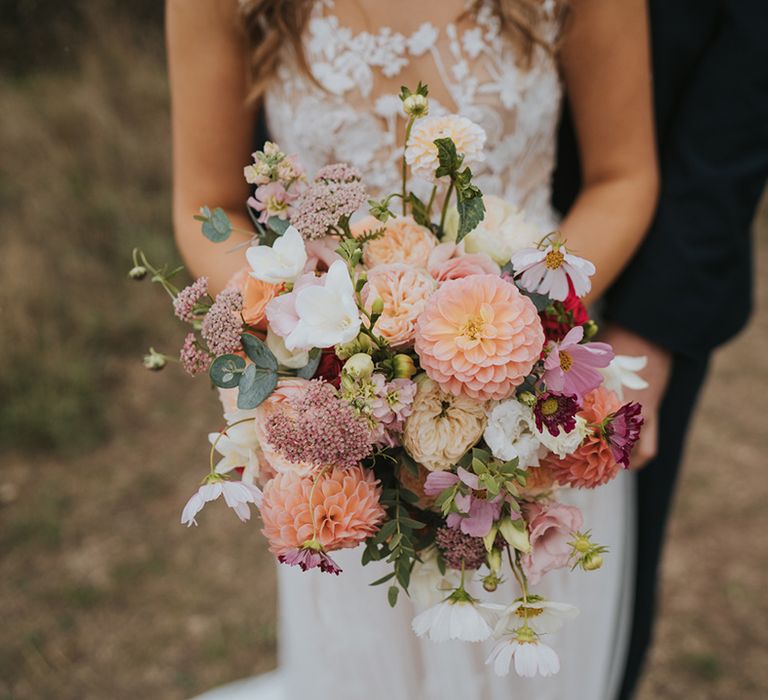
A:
{"x": 354, "y": 114}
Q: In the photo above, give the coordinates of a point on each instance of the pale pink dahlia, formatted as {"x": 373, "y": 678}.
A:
{"x": 338, "y": 512}
{"x": 479, "y": 337}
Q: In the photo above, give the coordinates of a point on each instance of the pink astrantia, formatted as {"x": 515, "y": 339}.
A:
{"x": 621, "y": 431}
{"x": 571, "y": 366}
{"x": 547, "y": 271}
{"x": 237, "y": 495}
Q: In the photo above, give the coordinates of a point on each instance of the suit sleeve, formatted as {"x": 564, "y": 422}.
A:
{"x": 689, "y": 286}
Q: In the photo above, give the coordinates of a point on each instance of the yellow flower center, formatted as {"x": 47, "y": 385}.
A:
{"x": 566, "y": 361}
{"x": 523, "y": 611}
{"x": 473, "y": 328}
{"x": 554, "y": 259}
{"x": 549, "y": 407}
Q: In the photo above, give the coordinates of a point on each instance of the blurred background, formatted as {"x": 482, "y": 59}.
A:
{"x": 102, "y": 592}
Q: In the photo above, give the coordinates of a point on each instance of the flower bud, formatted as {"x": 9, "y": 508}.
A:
{"x": 491, "y": 582}
{"x": 139, "y": 272}
{"x": 154, "y": 361}
{"x": 494, "y": 561}
{"x": 359, "y": 366}
{"x": 403, "y": 366}
{"x": 590, "y": 330}
{"x": 527, "y": 398}
{"x": 517, "y": 538}
{"x": 416, "y": 105}
{"x": 592, "y": 561}
{"x": 377, "y": 307}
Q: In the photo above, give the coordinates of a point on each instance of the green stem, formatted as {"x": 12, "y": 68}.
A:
{"x": 445, "y": 207}
{"x": 220, "y": 435}
{"x": 431, "y": 202}
{"x": 408, "y": 128}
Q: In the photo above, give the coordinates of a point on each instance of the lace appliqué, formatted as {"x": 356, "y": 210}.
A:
{"x": 346, "y": 120}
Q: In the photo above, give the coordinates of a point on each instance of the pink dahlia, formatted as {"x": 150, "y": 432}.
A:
{"x": 336, "y": 509}
{"x": 479, "y": 337}
{"x": 571, "y": 366}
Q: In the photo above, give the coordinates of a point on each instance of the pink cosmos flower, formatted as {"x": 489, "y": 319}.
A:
{"x": 308, "y": 558}
{"x": 550, "y": 529}
{"x": 571, "y": 367}
{"x": 271, "y": 199}
{"x": 548, "y": 271}
{"x": 449, "y": 261}
{"x": 237, "y": 495}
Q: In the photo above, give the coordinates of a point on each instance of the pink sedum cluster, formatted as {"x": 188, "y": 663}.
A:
{"x": 479, "y": 337}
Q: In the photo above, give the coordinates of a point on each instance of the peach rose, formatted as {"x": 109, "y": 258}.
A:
{"x": 404, "y": 291}
{"x": 404, "y": 241}
{"x": 256, "y": 296}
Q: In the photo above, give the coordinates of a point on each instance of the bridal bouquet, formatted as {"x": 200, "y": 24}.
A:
{"x": 421, "y": 381}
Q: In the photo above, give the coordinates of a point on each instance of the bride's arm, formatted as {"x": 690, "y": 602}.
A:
{"x": 606, "y": 66}
{"x": 212, "y": 129}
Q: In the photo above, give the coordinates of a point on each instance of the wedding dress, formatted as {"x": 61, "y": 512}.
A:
{"x": 338, "y": 637}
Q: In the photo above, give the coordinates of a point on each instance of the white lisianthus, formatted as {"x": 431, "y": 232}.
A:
{"x": 542, "y": 616}
{"x": 287, "y": 358}
{"x": 502, "y": 232}
{"x": 564, "y": 443}
{"x": 457, "y": 617}
{"x": 511, "y": 433}
{"x": 237, "y": 446}
{"x": 284, "y": 261}
{"x": 623, "y": 372}
{"x": 428, "y": 586}
{"x": 421, "y": 152}
{"x": 328, "y": 313}
{"x": 531, "y": 657}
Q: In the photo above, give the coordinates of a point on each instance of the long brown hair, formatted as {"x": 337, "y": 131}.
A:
{"x": 270, "y": 25}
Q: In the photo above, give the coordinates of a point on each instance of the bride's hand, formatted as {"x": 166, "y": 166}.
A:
{"x": 656, "y": 373}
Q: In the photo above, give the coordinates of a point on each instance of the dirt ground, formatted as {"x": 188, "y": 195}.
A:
{"x": 102, "y": 593}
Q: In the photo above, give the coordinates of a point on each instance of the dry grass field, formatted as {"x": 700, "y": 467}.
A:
{"x": 102, "y": 593}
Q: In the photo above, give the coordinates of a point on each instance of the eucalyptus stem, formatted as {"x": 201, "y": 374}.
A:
{"x": 408, "y": 128}
{"x": 445, "y": 206}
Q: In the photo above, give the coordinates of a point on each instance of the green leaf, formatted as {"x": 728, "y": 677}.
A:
{"x": 419, "y": 211}
{"x": 226, "y": 371}
{"x": 216, "y": 225}
{"x": 409, "y": 496}
{"x": 403, "y": 571}
{"x": 308, "y": 370}
{"x": 387, "y": 529}
{"x": 471, "y": 213}
{"x": 258, "y": 352}
{"x": 392, "y": 595}
{"x": 278, "y": 225}
{"x": 256, "y": 385}
{"x": 410, "y": 465}
{"x": 410, "y": 522}
{"x": 383, "y": 579}
{"x": 449, "y": 160}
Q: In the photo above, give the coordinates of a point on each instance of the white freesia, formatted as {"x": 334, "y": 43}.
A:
{"x": 428, "y": 586}
{"x": 328, "y": 313}
{"x": 502, "y": 232}
{"x": 531, "y": 658}
{"x": 237, "y": 446}
{"x": 284, "y": 261}
{"x": 237, "y": 496}
{"x": 291, "y": 359}
{"x": 511, "y": 433}
{"x": 457, "y": 617}
{"x": 564, "y": 443}
{"x": 623, "y": 372}
{"x": 542, "y": 616}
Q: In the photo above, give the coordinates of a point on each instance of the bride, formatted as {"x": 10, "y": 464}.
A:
{"x": 327, "y": 74}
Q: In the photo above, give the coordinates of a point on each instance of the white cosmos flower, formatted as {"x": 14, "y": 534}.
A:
{"x": 511, "y": 433}
{"x": 565, "y": 443}
{"x": 623, "y": 372}
{"x": 237, "y": 447}
{"x": 328, "y": 313}
{"x": 428, "y": 586}
{"x": 548, "y": 271}
{"x": 284, "y": 261}
{"x": 237, "y": 495}
{"x": 542, "y": 616}
{"x": 531, "y": 658}
{"x": 457, "y": 617}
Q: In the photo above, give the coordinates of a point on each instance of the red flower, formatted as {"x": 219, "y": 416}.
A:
{"x": 560, "y": 316}
{"x": 329, "y": 367}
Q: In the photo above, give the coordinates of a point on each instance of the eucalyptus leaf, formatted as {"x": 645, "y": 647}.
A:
{"x": 226, "y": 371}
{"x": 278, "y": 225}
{"x": 256, "y": 385}
{"x": 216, "y": 224}
{"x": 258, "y": 352}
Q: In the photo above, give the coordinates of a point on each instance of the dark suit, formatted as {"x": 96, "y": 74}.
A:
{"x": 688, "y": 288}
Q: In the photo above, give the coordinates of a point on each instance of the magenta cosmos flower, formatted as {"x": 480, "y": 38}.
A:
{"x": 548, "y": 271}
{"x": 571, "y": 366}
{"x": 555, "y": 411}
{"x": 621, "y": 431}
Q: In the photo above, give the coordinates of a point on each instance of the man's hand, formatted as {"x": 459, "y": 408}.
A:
{"x": 656, "y": 373}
